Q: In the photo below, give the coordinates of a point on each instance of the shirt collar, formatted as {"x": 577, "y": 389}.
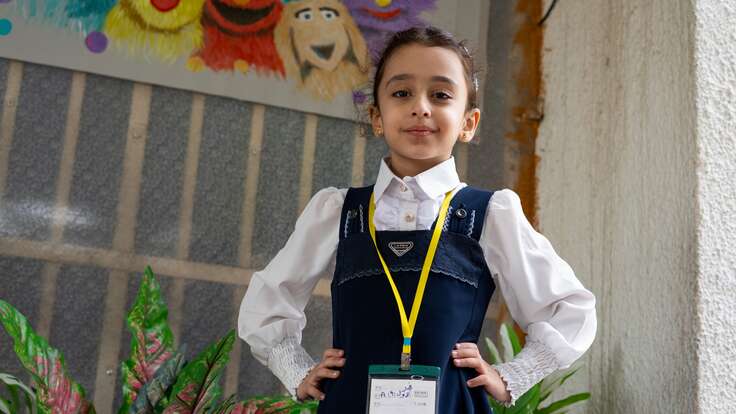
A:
{"x": 433, "y": 182}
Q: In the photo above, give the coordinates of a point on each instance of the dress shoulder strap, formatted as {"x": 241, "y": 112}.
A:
{"x": 466, "y": 214}
{"x": 468, "y": 211}
{"x": 354, "y": 215}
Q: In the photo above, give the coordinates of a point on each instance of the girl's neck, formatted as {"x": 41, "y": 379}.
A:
{"x": 407, "y": 167}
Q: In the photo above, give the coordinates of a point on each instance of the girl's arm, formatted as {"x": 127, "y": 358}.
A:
{"x": 542, "y": 294}
{"x": 271, "y": 315}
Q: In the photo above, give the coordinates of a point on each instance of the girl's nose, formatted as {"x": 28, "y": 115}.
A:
{"x": 421, "y": 111}
{"x": 421, "y": 108}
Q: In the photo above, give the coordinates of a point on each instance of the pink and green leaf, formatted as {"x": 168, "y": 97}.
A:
{"x": 197, "y": 387}
{"x": 152, "y": 340}
{"x": 154, "y": 391}
{"x": 225, "y": 407}
{"x": 274, "y": 405}
{"x": 56, "y": 392}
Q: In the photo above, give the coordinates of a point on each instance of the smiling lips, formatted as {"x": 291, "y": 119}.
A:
{"x": 420, "y": 131}
{"x": 388, "y": 15}
{"x": 164, "y": 5}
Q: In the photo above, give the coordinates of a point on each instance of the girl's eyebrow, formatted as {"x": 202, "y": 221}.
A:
{"x": 406, "y": 76}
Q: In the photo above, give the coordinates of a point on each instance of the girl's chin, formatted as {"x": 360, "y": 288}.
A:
{"x": 419, "y": 155}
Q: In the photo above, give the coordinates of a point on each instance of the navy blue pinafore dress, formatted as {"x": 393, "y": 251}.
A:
{"x": 366, "y": 322}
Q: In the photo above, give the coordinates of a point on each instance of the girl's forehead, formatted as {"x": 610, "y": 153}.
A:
{"x": 424, "y": 63}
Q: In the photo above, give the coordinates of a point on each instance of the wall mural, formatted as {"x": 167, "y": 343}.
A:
{"x": 311, "y": 55}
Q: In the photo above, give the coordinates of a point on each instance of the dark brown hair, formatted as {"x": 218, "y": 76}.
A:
{"x": 430, "y": 37}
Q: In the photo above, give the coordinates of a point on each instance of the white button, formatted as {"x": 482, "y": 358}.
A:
{"x": 409, "y": 217}
{"x": 403, "y": 188}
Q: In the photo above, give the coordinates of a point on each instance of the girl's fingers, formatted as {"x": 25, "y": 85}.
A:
{"x": 466, "y": 345}
{"x": 470, "y": 363}
{"x": 313, "y": 380}
{"x": 332, "y": 358}
{"x": 315, "y": 393}
{"x": 466, "y": 353}
{"x": 478, "y": 381}
{"x": 308, "y": 390}
{"x": 333, "y": 362}
{"x": 326, "y": 373}
{"x": 332, "y": 353}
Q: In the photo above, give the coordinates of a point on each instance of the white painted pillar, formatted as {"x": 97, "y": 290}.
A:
{"x": 637, "y": 190}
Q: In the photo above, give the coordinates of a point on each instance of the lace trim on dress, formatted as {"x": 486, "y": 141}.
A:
{"x": 379, "y": 271}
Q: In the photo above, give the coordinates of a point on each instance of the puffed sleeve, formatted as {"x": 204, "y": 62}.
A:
{"x": 271, "y": 316}
{"x": 541, "y": 291}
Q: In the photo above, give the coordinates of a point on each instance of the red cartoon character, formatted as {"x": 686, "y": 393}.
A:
{"x": 238, "y": 34}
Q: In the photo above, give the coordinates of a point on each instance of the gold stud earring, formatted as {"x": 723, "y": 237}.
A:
{"x": 378, "y": 132}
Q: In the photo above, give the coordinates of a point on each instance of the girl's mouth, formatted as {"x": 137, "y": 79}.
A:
{"x": 419, "y": 131}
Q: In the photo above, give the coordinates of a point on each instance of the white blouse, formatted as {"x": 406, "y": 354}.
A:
{"x": 540, "y": 289}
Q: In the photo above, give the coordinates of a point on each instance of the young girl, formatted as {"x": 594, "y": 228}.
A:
{"x": 381, "y": 241}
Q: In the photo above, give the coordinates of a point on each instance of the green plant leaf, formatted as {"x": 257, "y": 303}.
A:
{"x": 527, "y": 403}
{"x": 507, "y": 348}
{"x": 498, "y": 408}
{"x": 274, "y": 405}
{"x": 55, "y": 391}
{"x": 197, "y": 387}
{"x": 4, "y": 408}
{"x": 555, "y": 380}
{"x": 14, "y": 385}
{"x": 155, "y": 389}
{"x": 556, "y": 406}
{"x": 493, "y": 352}
{"x": 515, "y": 343}
{"x": 225, "y": 407}
{"x": 152, "y": 340}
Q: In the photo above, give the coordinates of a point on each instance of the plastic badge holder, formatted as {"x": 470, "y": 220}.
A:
{"x": 393, "y": 391}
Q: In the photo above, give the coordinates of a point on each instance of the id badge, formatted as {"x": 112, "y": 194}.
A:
{"x": 393, "y": 391}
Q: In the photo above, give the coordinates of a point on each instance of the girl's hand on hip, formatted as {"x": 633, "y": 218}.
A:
{"x": 310, "y": 385}
{"x": 466, "y": 355}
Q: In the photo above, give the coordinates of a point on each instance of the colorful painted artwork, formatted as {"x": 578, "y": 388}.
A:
{"x": 166, "y": 29}
{"x": 320, "y": 51}
{"x": 379, "y": 18}
{"x": 317, "y": 39}
{"x": 238, "y": 36}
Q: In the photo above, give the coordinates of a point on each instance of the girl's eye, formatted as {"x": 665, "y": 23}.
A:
{"x": 400, "y": 94}
{"x": 304, "y": 15}
{"x": 442, "y": 96}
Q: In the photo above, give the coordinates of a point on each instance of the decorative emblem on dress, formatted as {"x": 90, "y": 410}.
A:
{"x": 400, "y": 248}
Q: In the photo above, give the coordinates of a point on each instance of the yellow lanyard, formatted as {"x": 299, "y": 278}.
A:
{"x": 407, "y": 326}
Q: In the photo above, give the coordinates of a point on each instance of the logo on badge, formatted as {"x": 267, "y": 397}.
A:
{"x": 400, "y": 248}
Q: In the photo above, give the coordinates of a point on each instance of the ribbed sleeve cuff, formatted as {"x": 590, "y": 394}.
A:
{"x": 531, "y": 365}
{"x": 290, "y": 363}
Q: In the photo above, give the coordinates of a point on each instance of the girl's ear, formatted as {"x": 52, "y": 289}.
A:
{"x": 376, "y": 121}
{"x": 470, "y": 125}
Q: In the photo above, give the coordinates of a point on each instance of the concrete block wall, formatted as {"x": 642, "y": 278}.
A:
{"x": 101, "y": 177}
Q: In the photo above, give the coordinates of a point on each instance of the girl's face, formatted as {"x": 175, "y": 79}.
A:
{"x": 422, "y": 100}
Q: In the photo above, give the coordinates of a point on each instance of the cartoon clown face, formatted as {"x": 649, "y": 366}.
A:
{"x": 378, "y": 19}
{"x": 163, "y": 14}
{"x": 165, "y": 29}
{"x": 388, "y": 15}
